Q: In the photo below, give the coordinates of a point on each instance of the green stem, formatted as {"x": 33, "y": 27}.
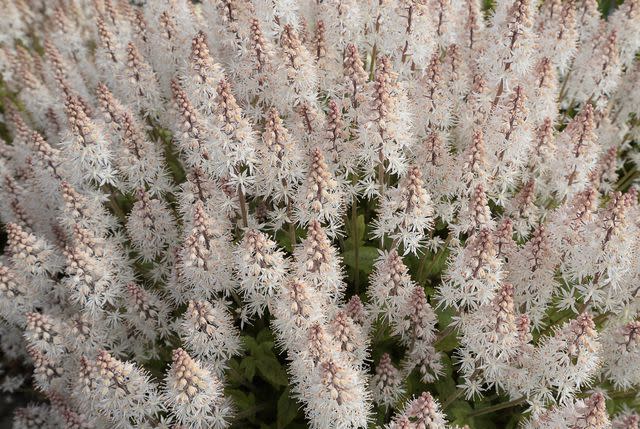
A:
{"x": 356, "y": 244}
{"x": 497, "y": 407}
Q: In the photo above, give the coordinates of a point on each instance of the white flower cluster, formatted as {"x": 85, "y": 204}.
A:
{"x": 175, "y": 172}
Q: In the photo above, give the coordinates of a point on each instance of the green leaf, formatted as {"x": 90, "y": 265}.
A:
{"x": 248, "y": 367}
{"x": 287, "y": 409}
{"x": 352, "y": 238}
{"x": 367, "y": 255}
{"x": 271, "y": 370}
{"x": 264, "y": 336}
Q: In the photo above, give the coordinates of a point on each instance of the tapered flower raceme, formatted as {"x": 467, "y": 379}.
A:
{"x": 531, "y": 269}
{"x": 32, "y": 256}
{"x": 124, "y": 393}
{"x": 621, "y": 346}
{"x": 297, "y": 73}
{"x": 423, "y": 411}
{"x": 384, "y": 128}
{"x": 142, "y": 86}
{"x": 417, "y": 330}
{"x": 474, "y": 273}
{"x": 87, "y": 153}
{"x": 406, "y": 213}
{"x": 627, "y": 420}
{"x": 194, "y": 395}
{"x": 279, "y": 169}
{"x": 206, "y": 258}
{"x": 262, "y": 268}
{"x": 386, "y": 384}
{"x": 321, "y": 196}
{"x": 151, "y": 227}
{"x": 390, "y": 287}
{"x": 209, "y": 334}
{"x": 318, "y": 263}
{"x": 147, "y": 312}
{"x": 573, "y": 356}
{"x": 557, "y": 24}
{"x": 589, "y": 413}
{"x": 46, "y": 335}
{"x": 15, "y": 299}
{"x": 201, "y": 75}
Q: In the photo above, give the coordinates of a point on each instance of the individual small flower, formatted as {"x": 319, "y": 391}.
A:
{"x": 194, "y": 395}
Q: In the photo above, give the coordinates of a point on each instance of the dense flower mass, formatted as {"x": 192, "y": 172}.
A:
{"x": 402, "y": 214}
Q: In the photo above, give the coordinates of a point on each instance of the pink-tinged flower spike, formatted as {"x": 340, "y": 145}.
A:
{"x": 405, "y": 213}
{"x": 416, "y": 328}
{"x": 317, "y": 262}
{"x": 604, "y": 176}
{"x": 279, "y": 168}
{"x": 46, "y": 335}
{"x": 35, "y": 416}
{"x": 434, "y": 157}
{"x": 557, "y": 33}
{"x": 621, "y": 354}
{"x": 626, "y": 420}
{"x": 523, "y": 209}
{"x": 48, "y": 373}
{"x": 510, "y": 46}
{"x": 476, "y": 215}
{"x": 201, "y": 75}
{"x": 490, "y": 339}
{"x": 151, "y": 227}
{"x": 433, "y": 104}
{"x": 421, "y": 412}
{"x": 572, "y": 358}
{"x": 597, "y": 70}
{"x": 335, "y": 141}
{"x": 261, "y": 268}
{"x": 542, "y": 93}
{"x": 337, "y": 397}
{"x": 123, "y": 392}
{"x": 385, "y": 126}
{"x": 15, "y": 298}
{"x": 109, "y": 52}
{"x": 193, "y": 395}
{"x": 206, "y": 258}
{"x": 298, "y": 74}
{"x": 508, "y": 135}
{"x": 387, "y": 384}
{"x": 238, "y": 142}
{"x": 147, "y": 312}
{"x": 141, "y": 83}
{"x": 415, "y": 42}
{"x": 208, "y": 332}
{"x": 350, "y": 338}
{"x": 193, "y": 133}
{"x": 474, "y": 164}
{"x": 471, "y": 36}
{"x": 588, "y": 413}
{"x": 296, "y": 308}
{"x": 86, "y": 150}
{"x": 92, "y": 279}
{"x": 138, "y": 159}
{"x": 32, "y": 256}
{"x": 355, "y": 78}
{"x": 321, "y": 196}
{"x": 85, "y": 210}
{"x": 625, "y": 20}
{"x": 390, "y": 287}
{"x": 576, "y": 154}
{"x": 531, "y": 270}
{"x": 306, "y": 125}
{"x": 474, "y": 273}
{"x": 588, "y": 21}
